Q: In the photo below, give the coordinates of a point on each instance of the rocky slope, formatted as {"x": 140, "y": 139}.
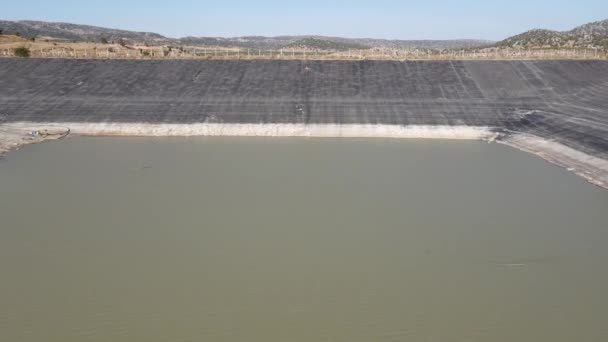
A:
{"x": 593, "y": 35}
{"x": 73, "y": 32}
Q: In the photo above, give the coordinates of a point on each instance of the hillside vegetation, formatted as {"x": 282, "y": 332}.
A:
{"x": 86, "y": 33}
{"x": 593, "y": 35}
{"x": 73, "y": 32}
{"x": 58, "y": 39}
{"x": 325, "y": 44}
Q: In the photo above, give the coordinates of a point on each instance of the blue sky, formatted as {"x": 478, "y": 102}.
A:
{"x": 430, "y": 19}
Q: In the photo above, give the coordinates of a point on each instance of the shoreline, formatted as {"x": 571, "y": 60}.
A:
{"x": 595, "y": 170}
{"x": 592, "y": 169}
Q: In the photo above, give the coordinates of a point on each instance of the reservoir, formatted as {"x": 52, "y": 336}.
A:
{"x": 294, "y": 239}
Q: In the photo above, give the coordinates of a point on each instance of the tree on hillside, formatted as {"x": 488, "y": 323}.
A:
{"x": 1, "y": 32}
{"x": 103, "y": 40}
{"x": 18, "y": 34}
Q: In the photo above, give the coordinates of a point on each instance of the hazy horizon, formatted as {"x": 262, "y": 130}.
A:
{"x": 382, "y": 19}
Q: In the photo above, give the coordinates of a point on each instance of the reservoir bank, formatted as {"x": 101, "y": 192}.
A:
{"x": 555, "y": 109}
{"x": 295, "y": 239}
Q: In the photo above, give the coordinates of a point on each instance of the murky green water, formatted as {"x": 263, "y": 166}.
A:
{"x": 226, "y": 239}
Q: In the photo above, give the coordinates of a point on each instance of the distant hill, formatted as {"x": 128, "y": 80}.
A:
{"x": 74, "y": 32}
{"x": 66, "y": 31}
{"x": 326, "y": 44}
{"x": 248, "y": 42}
{"x": 592, "y": 35}
{"x": 417, "y": 44}
{"x": 598, "y": 28}
{"x": 268, "y": 43}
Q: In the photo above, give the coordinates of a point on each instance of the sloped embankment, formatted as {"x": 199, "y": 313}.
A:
{"x": 555, "y": 109}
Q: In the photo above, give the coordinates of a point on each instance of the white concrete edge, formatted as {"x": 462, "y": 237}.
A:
{"x": 282, "y": 130}
{"x": 594, "y": 169}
